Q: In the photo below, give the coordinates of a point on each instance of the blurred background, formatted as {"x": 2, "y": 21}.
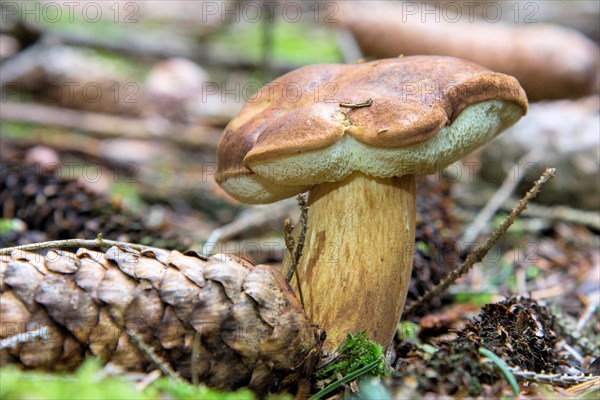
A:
{"x": 112, "y": 110}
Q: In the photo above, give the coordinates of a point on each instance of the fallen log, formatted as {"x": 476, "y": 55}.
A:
{"x": 550, "y": 61}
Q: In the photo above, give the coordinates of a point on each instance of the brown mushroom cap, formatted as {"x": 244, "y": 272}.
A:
{"x": 392, "y": 117}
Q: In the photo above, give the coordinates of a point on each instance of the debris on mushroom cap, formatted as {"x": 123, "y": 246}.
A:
{"x": 392, "y": 117}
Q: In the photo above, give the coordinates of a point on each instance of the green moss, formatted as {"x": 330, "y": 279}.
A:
{"x": 296, "y": 43}
{"x": 423, "y": 248}
{"x": 85, "y": 384}
{"x": 407, "y": 330}
{"x": 119, "y": 65}
{"x": 532, "y": 272}
{"x": 478, "y": 299}
{"x": 356, "y": 352}
{"x": 88, "y": 383}
{"x": 16, "y": 130}
{"x": 128, "y": 193}
{"x": 109, "y": 23}
{"x": 9, "y": 225}
{"x": 181, "y": 390}
{"x": 291, "y": 42}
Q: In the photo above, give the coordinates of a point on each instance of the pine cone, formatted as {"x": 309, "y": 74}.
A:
{"x": 252, "y": 329}
{"x": 65, "y": 208}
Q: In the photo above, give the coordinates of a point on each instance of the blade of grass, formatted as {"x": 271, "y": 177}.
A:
{"x": 350, "y": 377}
{"x": 503, "y": 368}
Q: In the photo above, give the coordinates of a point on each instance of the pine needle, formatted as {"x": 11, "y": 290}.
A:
{"x": 512, "y": 381}
{"x": 350, "y": 377}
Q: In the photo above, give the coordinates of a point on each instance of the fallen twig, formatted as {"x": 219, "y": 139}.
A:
{"x": 348, "y": 46}
{"x": 480, "y": 252}
{"x": 151, "y": 354}
{"x": 563, "y": 380}
{"x": 147, "y": 380}
{"x": 288, "y": 238}
{"x": 588, "y": 313}
{"x": 536, "y": 54}
{"x": 588, "y": 218}
{"x": 24, "y": 337}
{"x": 252, "y": 218}
{"x": 495, "y": 202}
{"x": 585, "y": 388}
{"x": 563, "y": 345}
{"x": 563, "y": 213}
{"x": 105, "y": 125}
{"x": 134, "y": 44}
{"x": 301, "y": 237}
{"x": 58, "y": 244}
{"x": 257, "y": 251}
{"x": 195, "y": 358}
{"x": 573, "y": 335}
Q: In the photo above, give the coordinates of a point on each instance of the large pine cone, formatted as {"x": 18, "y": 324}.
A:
{"x": 252, "y": 330}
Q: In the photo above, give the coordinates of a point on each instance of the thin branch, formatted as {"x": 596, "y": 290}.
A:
{"x": 268, "y": 23}
{"x": 252, "y": 218}
{"x": 105, "y": 125}
{"x": 563, "y": 380}
{"x": 587, "y": 218}
{"x": 136, "y": 44}
{"x": 495, "y": 202}
{"x": 24, "y": 337}
{"x": 257, "y": 251}
{"x": 563, "y": 345}
{"x": 348, "y": 46}
{"x": 195, "y": 355}
{"x": 147, "y": 380}
{"x": 301, "y": 237}
{"x": 210, "y": 245}
{"x": 563, "y": 213}
{"x": 98, "y": 242}
{"x": 288, "y": 237}
{"x": 589, "y": 312}
{"x": 585, "y": 388}
{"x": 151, "y": 354}
{"x": 572, "y": 334}
{"x": 480, "y": 252}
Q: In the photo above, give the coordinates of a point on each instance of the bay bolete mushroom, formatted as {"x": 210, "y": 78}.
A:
{"x": 355, "y": 136}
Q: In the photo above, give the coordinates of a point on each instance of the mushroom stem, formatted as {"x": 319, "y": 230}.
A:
{"x": 357, "y": 259}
